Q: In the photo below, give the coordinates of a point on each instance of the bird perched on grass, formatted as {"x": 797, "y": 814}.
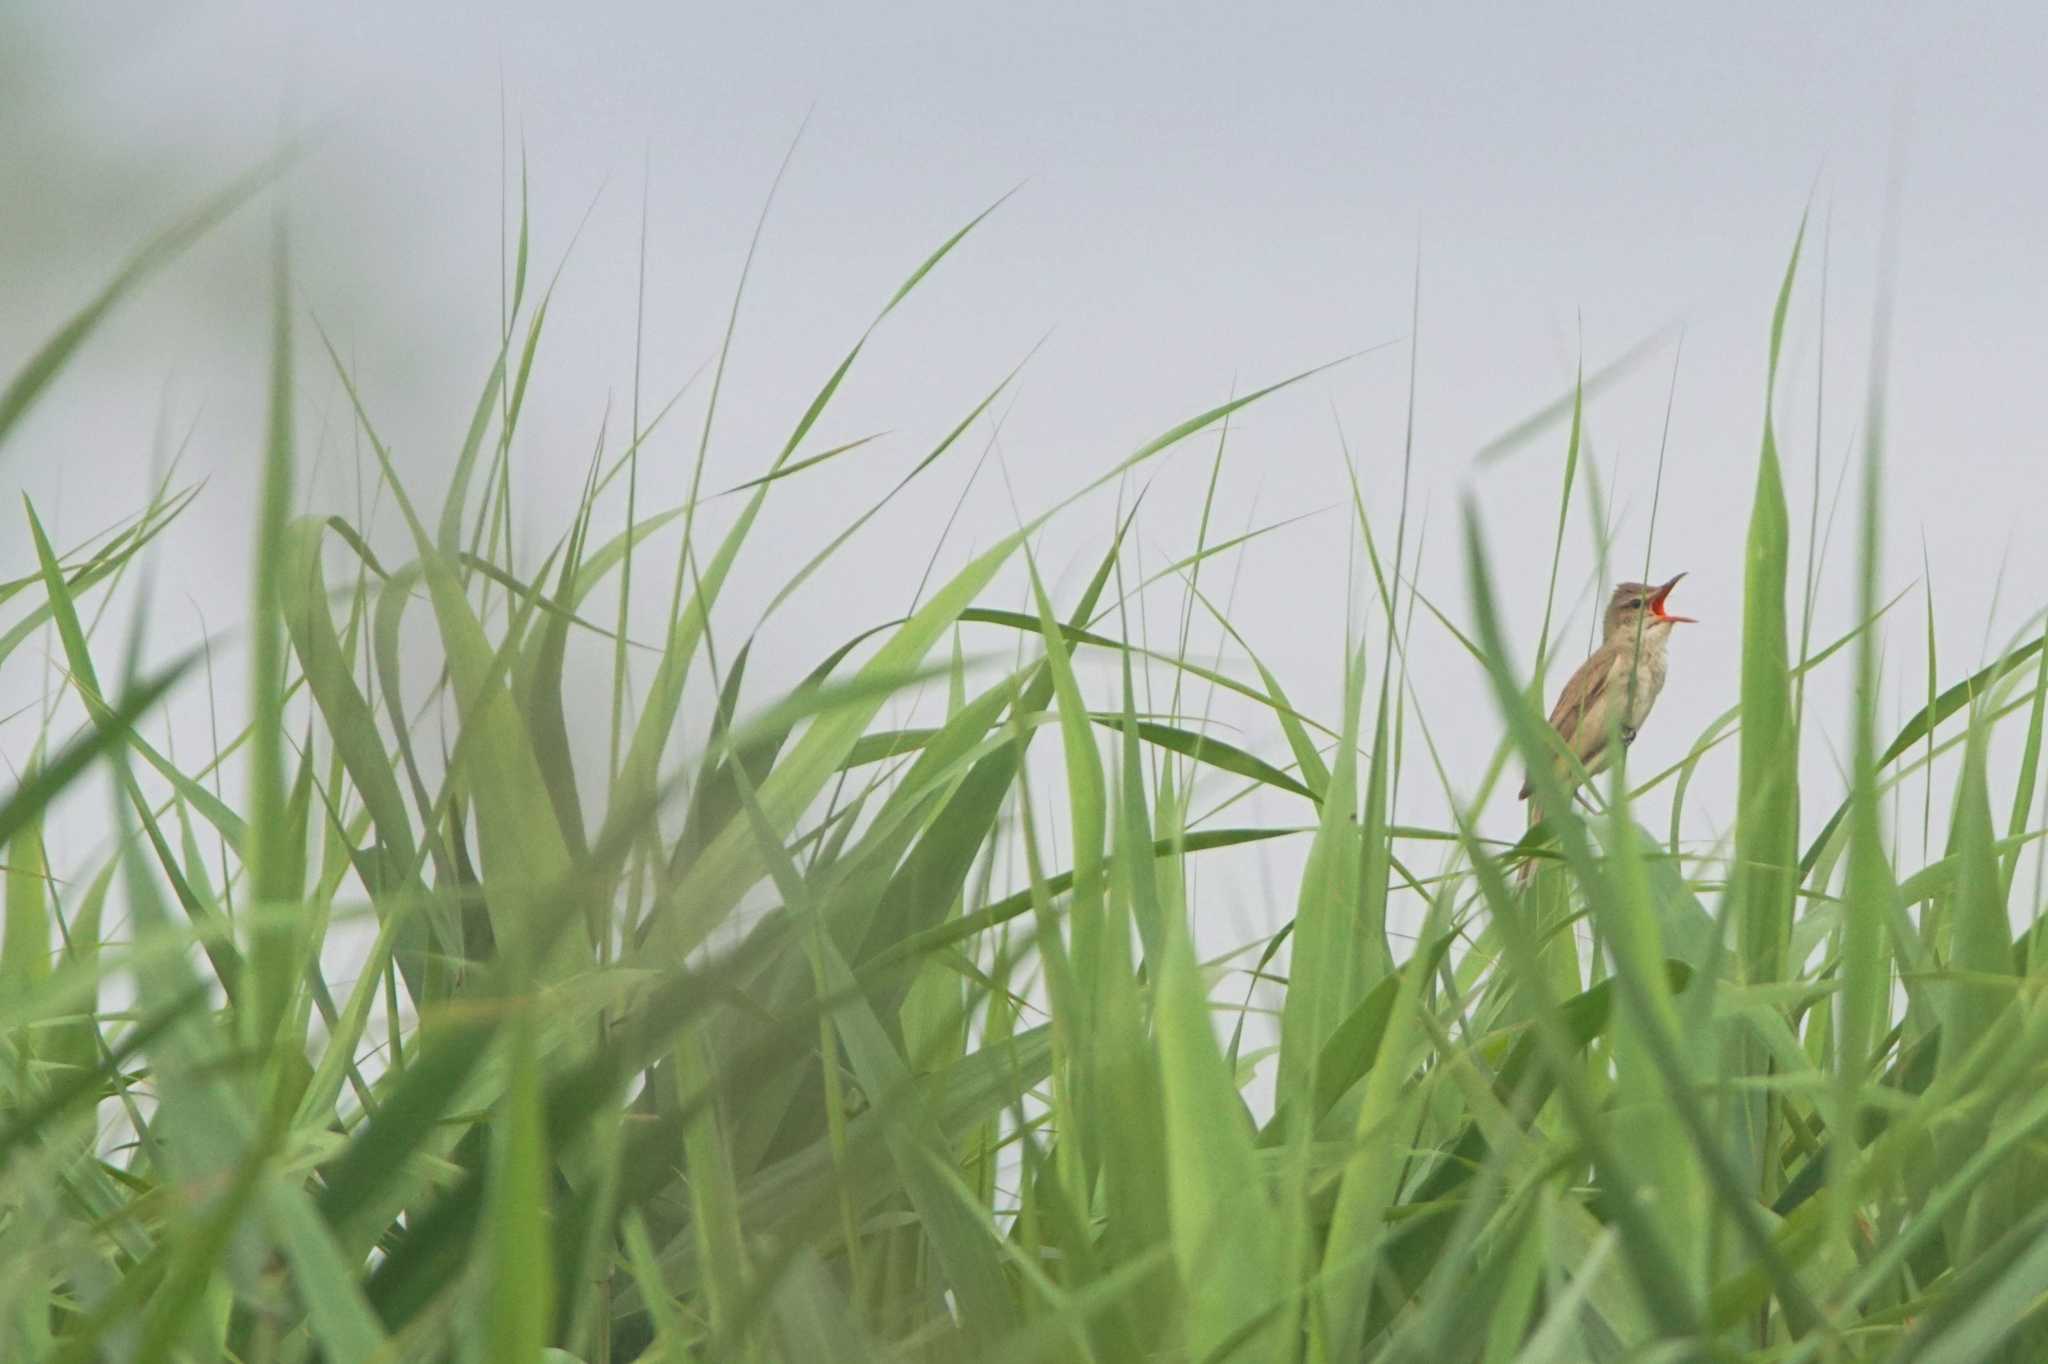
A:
{"x": 1611, "y": 694}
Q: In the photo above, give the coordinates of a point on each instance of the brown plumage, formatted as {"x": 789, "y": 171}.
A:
{"x": 1612, "y": 692}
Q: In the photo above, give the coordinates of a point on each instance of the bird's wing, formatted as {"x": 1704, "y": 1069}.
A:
{"x": 1578, "y": 705}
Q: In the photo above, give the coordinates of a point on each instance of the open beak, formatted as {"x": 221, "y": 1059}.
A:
{"x": 1657, "y": 605}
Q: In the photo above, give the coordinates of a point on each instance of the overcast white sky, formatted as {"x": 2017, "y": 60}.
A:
{"x": 1212, "y": 197}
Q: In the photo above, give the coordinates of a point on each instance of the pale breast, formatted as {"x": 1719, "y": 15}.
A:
{"x": 1648, "y": 665}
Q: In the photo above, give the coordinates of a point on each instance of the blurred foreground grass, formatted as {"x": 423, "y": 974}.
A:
{"x": 803, "y": 1042}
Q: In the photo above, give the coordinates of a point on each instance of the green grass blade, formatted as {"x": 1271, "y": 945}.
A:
{"x": 1765, "y": 874}
{"x": 521, "y": 1281}
{"x": 274, "y": 863}
{"x": 53, "y": 355}
{"x": 1328, "y": 971}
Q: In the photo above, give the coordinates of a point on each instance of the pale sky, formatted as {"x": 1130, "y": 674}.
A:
{"x": 1212, "y": 197}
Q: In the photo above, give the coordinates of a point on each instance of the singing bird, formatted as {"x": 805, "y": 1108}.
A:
{"x": 1613, "y": 690}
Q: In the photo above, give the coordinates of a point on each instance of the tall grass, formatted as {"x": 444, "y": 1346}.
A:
{"x": 802, "y": 1037}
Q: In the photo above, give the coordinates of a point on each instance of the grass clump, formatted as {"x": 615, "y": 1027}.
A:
{"x": 800, "y": 1036}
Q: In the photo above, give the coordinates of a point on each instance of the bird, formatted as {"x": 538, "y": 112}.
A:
{"x": 1611, "y": 694}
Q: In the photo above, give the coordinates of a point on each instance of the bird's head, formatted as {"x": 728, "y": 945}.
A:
{"x": 1642, "y": 604}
